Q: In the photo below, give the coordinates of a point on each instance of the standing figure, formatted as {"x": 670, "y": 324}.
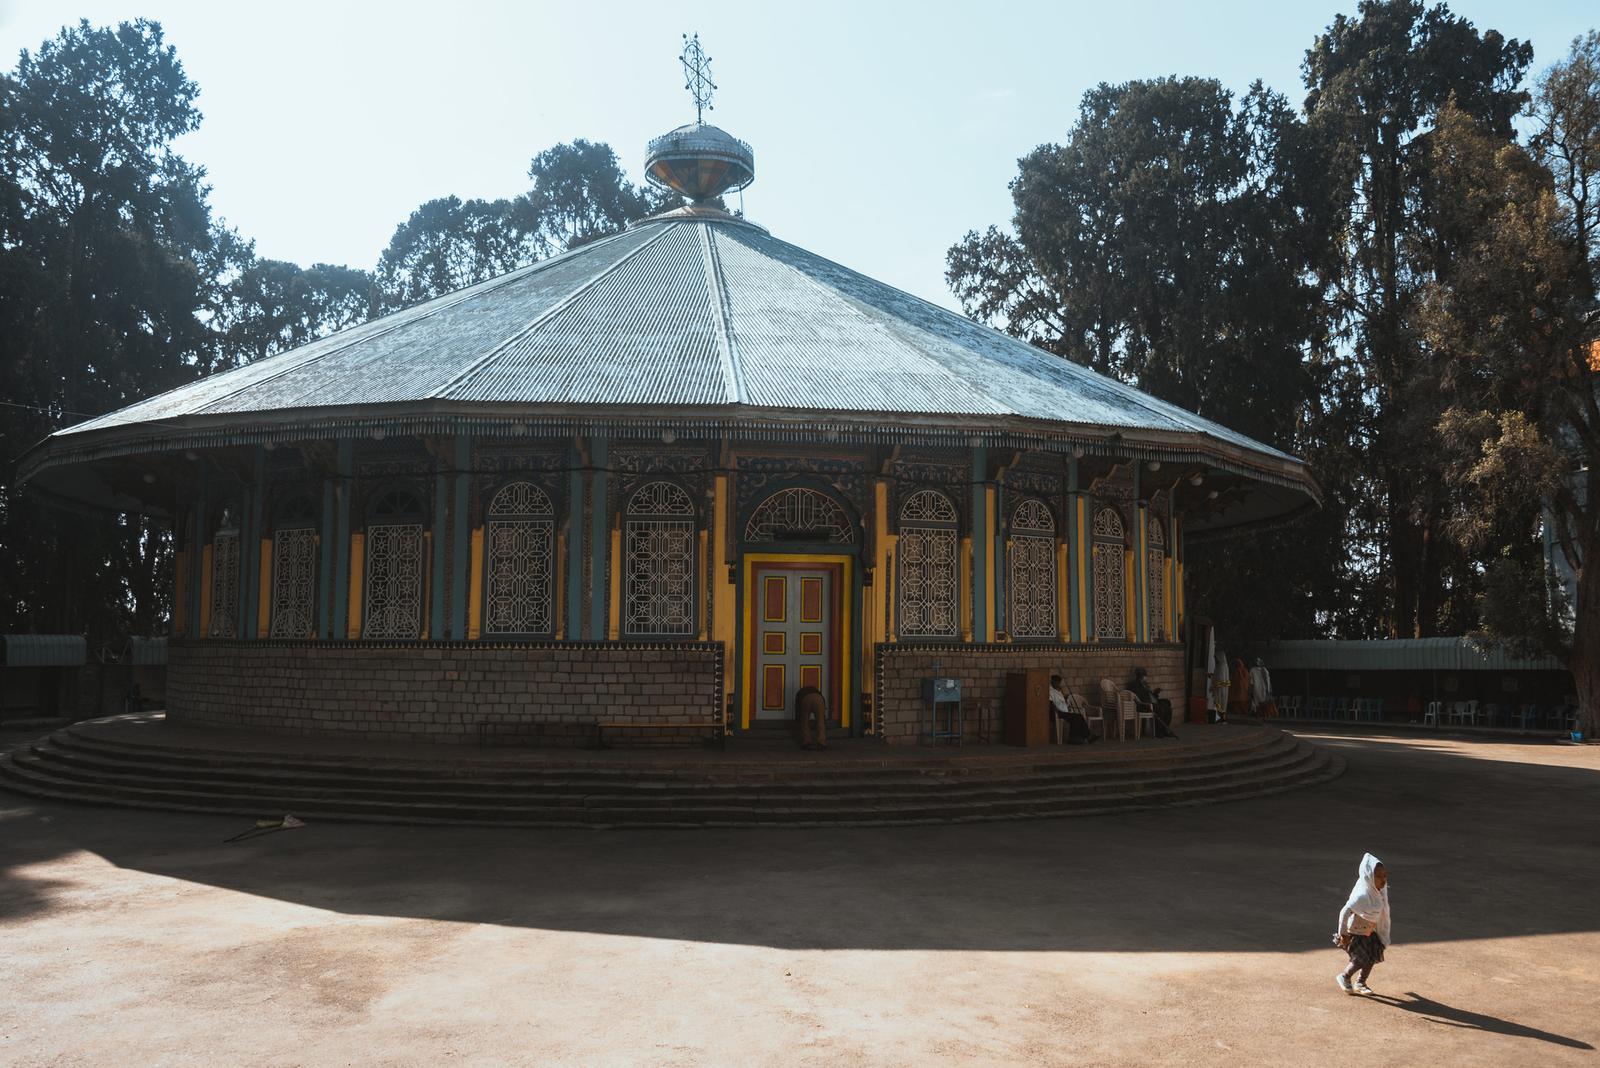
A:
{"x": 1238, "y": 688}
{"x": 1363, "y": 930}
{"x": 1219, "y": 688}
{"x": 1260, "y": 687}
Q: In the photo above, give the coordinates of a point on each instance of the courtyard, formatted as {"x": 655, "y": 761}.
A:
{"x": 1193, "y": 935}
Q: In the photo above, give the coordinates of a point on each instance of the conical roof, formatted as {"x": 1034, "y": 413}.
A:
{"x": 699, "y": 315}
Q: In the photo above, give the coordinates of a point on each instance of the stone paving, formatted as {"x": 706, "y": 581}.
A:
{"x": 1190, "y": 936}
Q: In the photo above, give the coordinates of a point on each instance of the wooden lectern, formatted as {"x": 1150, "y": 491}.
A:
{"x": 1027, "y": 705}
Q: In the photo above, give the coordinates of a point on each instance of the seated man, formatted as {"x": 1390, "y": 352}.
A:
{"x": 1077, "y": 727}
{"x": 810, "y": 707}
{"x": 1152, "y": 700}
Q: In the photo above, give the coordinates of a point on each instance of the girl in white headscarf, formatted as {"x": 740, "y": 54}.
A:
{"x": 1363, "y": 930}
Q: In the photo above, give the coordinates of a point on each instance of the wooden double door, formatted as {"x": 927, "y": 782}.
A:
{"x": 797, "y": 629}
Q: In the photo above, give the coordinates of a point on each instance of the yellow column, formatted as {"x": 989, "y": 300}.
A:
{"x": 357, "y": 546}
{"x": 614, "y": 616}
{"x": 180, "y": 593}
{"x": 475, "y": 587}
{"x": 264, "y": 601}
{"x": 877, "y": 626}
{"x": 203, "y": 630}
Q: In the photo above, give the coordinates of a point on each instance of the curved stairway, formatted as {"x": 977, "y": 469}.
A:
{"x": 93, "y": 764}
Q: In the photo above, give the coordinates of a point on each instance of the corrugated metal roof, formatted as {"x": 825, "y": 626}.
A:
{"x": 45, "y": 650}
{"x": 694, "y": 310}
{"x": 1399, "y": 654}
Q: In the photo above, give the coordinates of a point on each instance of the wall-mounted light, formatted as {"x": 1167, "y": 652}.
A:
{"x": 1077, "y": 452}
{"x": 1155, "y": 465}
{"x": 1195, "y": 480}
{"x": 149, "y": 479}
{"x": 378, "y": 433}
{"x": 1211, "y": 496}
{"x": 190, "y": 454}
{"x": 669, "y": 435}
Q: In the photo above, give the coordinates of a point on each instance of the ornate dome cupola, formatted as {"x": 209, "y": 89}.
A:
{"x": 699, "y": 161}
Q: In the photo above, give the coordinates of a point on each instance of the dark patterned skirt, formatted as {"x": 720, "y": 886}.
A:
{"x": 1366, "y": 950}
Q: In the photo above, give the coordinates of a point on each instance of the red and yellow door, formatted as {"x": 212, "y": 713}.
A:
{"x": 796, "y": 635}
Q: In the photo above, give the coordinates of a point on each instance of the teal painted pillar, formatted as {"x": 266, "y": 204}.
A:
{"x": 250, "y": 551}
{"x": 1141, "y": 585}
{"x": 325, "y": 571}
{"x": 1074, "y": 586}
{"x": 980, "y": 545}
{"x": 461, "y": 552}
{"x": 200, "y": 522}
{"x": 341, "y": 574}
{"x": 599, "y": 542}
{"x": 441, "y": 519}
{"x": 575, "y": 545}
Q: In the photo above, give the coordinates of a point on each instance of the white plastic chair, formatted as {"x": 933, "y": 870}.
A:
{"x": 1127, "y": 712}
{"x": 1432, "y": 713}
{"x": 1469, "y": 712}
{"x": 1076, "y": 703}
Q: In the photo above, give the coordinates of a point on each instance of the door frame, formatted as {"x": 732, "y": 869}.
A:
{"x": 844, "y": 591}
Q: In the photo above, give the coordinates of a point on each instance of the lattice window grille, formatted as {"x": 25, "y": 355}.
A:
{"x": 1156, "y": 582}
{"x": 928, "y": 506}
{"x": 294, "y": 582}
{"x": 1108, "y": 524}
{"x": 225, "y": 584}
{"x": 521, "y": 572}
{"x": 394, "y": 581}
{"x": 799, "y": 511}
{"x": 659, "y": 579}
{"x": 1110, "y": 581}
{"x": 1033, "y": 571}
{"x": 929, "y": 587}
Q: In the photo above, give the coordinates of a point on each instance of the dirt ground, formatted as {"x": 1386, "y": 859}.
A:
{"x": 1190, "y": 936}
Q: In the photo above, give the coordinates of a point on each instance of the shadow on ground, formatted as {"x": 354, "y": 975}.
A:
{"x": 1483, "y": 846}
{"x": 1440, "y": 1013}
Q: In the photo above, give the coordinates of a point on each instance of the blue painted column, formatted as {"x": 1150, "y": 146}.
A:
{"x": 980, "y": 545}
{"x": 201, "y": 521}
{"x": 461, "y": 551}
{"x": 441, "y": 520}
{"x": 575, "y": 590}
{"x": 1141, "y": 584}
{"x": 599, "y": 541}
{"x": 329, "y": 546}
{"x": 250, "y": 549}
{"x": 341, "y": 575}
{"x": 1074, "y": 547}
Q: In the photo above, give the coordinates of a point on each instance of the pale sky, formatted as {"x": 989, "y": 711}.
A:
{"x": 882, "y": 132}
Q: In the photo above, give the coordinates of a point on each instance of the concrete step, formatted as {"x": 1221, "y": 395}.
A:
{"x": 294, "y": 785}
{"x": 104, "y": 761}
{"x": 1322, "y": 768}
{"x": 50, "y": 770}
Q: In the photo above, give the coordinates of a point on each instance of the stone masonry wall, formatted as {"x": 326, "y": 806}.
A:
{"x": 982, "y": 670}
{"x": 541, "y": 693}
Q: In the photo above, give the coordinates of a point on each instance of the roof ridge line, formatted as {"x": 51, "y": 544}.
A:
{"x": 716, "y": 286}
{"x": 465, "y": 375}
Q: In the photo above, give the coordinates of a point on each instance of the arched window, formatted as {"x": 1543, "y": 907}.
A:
{"x": 1156, "y": 578}
{"x": 1033, "y": 571}
{"x": 518, "y": 594}
{"x": 395, "y": 563}
{"x": 799, "y": 514}
{"x": 930, "y": 593}
{"x": 294, "y": 570}
{"x": 659, "y": 552}
{"x": 225, "y": 574}
{"x": 1110, "y": 585}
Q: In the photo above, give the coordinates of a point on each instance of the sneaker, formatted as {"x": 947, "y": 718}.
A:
{"x": 1361, "y": 988}
{"x": 1344, "y": 982}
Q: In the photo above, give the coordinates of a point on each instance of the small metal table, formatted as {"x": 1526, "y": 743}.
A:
{"x": 941, "y": 703}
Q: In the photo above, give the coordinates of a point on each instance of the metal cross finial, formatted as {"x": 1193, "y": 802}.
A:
{"x": 697, "y": 75}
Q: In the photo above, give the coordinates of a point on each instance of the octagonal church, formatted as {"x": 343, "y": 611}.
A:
{"x": 671, "y": 476}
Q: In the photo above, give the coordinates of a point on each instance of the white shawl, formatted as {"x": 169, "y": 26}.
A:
{"x": 1367, "y": 901}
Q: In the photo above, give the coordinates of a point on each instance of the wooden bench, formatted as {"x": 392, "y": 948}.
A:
{"x": 709, "y": 726}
